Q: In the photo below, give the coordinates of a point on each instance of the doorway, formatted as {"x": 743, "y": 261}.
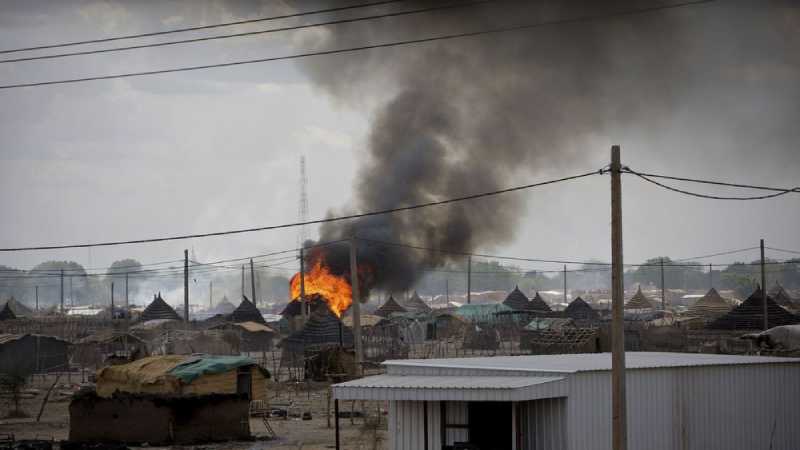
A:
{"x": 490, "y": 425}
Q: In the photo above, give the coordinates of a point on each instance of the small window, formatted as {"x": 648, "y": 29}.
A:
{"x": 244, "y": 381}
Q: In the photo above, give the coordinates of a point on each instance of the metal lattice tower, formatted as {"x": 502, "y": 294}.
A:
{"x": 302, "y": 212}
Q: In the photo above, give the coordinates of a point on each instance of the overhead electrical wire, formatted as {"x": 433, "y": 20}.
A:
{"x": 251, "y": 33}
{"x": 309, "y": 222}
{"x": 441, "y": 37}
{"x": 200, "y": 27}
{"x": 649, "y": 178}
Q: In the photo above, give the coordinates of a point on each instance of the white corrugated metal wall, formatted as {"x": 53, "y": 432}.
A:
{"x": 691, "y": 408}
{"x": 543, "y": 424}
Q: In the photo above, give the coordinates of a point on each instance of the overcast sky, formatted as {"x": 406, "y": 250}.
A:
{"x": 219, "y": 149}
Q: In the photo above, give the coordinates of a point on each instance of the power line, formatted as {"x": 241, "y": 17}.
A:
{"x": 783, "y": 250}
{"x": 310, "y": 222}
{"x": 363, "y": 47}
{"x": 778, "y": 191}
{"x": 200, "y": 27}
{"x": 730, "y": 252}
{"x": 250, "y": 33}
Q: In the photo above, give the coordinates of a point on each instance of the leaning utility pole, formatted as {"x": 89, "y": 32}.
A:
{"x": 186, "y": 286}
{"x": 619, "y": 414}
{"x": 663, "y": 296}
{"x": 62, "y": 291}
{"x": 764, "y": 286}
{"x": 356, "y": 304}
{"x": 469, "y": 279}
{"x": 253, "y": 282}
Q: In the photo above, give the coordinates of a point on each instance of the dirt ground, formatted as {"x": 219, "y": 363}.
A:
{"x": 362, "y": 433}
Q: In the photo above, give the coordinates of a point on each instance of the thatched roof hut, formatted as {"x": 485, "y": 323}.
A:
{"x": 710, "y": 306}
{"x": 159, "y": 309}
{"x": 783, "y": 298}
{"x": 639, "y": 301}
{"x": 750, "y": 315}
{"x": 247, "y": 312}
{"x": 391, "y": 306}
{"x": 322, "y": 329}
{"x": 537, "y": 303}
{"x": 517, "y": 301}
{"x": 416, "y": 304}
{"x": 578, "y": 309}
{"x": 12, "y": 309}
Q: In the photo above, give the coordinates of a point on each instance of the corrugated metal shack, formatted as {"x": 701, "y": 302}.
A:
{"x": 675, "y": 401}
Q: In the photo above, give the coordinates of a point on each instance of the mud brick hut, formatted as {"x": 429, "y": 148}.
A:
{"x": 158, "y": 309}
{"x": 170, "y": 400}
{"x": 579, "y": 310}
{"x": 98, "y": 348}
{"x": 750, "y": 315}
{"x": 390, "y": 307}
{"x": 710, "y": 306}
{"x": 415, "y": 304}
{"x": 247, "y": 312}
{"x": 254, "y": 337}
{"x": 26, "y": 354}
{"x": 563, "y": 402}
{"x": 639, "y": 301}
{"x": 323, "y": 329}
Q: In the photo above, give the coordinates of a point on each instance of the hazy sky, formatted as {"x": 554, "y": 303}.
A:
{"x": 219, "y": 149}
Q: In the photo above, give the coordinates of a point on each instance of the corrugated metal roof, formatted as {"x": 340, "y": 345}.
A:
{"x": 451, "y": 388}
{"x": 588, "y": 362}
{"x": 448, "y": 382}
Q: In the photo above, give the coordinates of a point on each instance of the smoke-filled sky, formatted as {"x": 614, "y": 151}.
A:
{"x": 708, "y": 91}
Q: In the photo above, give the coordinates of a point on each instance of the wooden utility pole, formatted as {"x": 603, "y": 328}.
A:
{"x": 62, "y": 291}
{"x": 618, "y": 403}
{"x": 112, "y": 300}
{"x": 210, "y": 294}
{"x": 764, "y": 286}
{"x": 242, "y": 281}
{"x": 253, "y": 282}
{"x": 127, "y": 299}
{"x": 71, "y": 296}
{"x": 37, "y": 298}
{"x": 565, "y": 283}
{"x": 663, "y": 292}
{"x": 186, "y": 286}
{"x": 303, "y": 306}
{"x": 469, "y": 279}
{"x": 447, "y": 291}
{"x": 710, "y": 276}
{"x": 356, "y": 309}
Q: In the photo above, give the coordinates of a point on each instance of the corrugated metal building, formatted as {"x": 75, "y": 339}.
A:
{"x": 675, "y": 401}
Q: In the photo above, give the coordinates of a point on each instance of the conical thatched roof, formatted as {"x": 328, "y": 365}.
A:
{"x": 6, "y": 313}
{"x": 537, "y": 303}
{"x": 580, "y": 310}
{"x": 416, "y": 304}
{"x": 18, "y": 309}
{"x": 224, "y": 307}
{"x": 516, "y": 300}
{"x": 639, "y": 301}
{"x": 247, "y": 312}
{"x": 750, "y": 315}
{"x": 322, "y": 328}
{"x": 783, "y": 298}
{"x": 711, "y": 305}
{"x": 391, "y": 306}
{"x": 292, "y": 308}
{"x": 159, "y": 309}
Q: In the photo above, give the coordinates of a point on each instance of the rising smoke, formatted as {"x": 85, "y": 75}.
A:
{"x": 478, "y": 114}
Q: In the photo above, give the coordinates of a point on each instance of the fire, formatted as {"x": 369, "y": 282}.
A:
{"x": 319, "y": 280}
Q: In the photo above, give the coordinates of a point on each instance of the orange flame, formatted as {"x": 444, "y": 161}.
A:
{"x": 319, "y": 280}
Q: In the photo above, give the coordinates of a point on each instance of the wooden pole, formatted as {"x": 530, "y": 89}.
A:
{"x": 210, "y": 294}
{"x": 356, "y": 308}
{"x": 710, "y": 276}
{"x": 62, "y": 291}
{"x": 619, "y": 414}
{"x": 336, "y": 421}
{"x": 253, "y": 282}
{"x": 186, "y": 286}
{"x": 242, "y": 281}
{"x": 303, "y": 306}
{"x": 37, "y": 298}
{"x": 663, "y": 293}
{"x": 112, "y": 301}
{"x": 565, "y": 283}
{"x": 469, "y": 279}
{"x": 764, "y": 286}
